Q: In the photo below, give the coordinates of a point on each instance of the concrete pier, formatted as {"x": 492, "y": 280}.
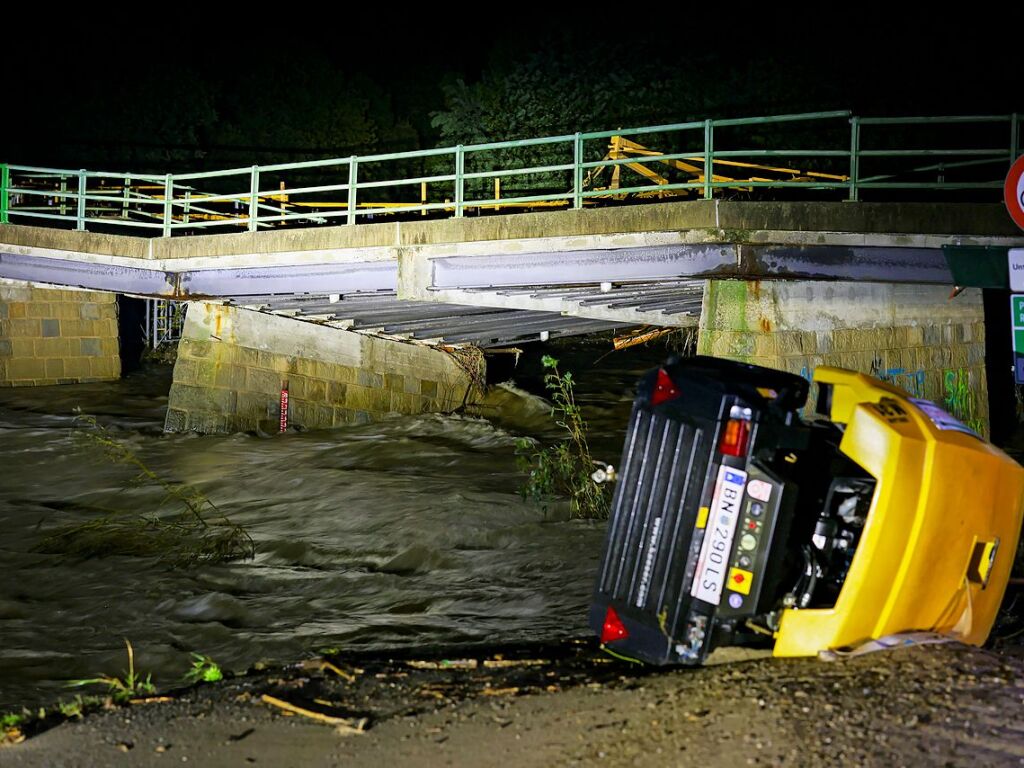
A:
{"x": 233, "y": 363}
{"x": 914, "y": 336}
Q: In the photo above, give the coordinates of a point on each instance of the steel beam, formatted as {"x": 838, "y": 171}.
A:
{"x": 519, "y": 332}
{"x": 533, "y": 271}
{"x": 82, "y": 274}
{"x": 834, "y": 262}
{"x": 576, "y": 267}
{"x": 304, "y": 278}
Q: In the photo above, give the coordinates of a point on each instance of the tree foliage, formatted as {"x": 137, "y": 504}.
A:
{"x": 565, "y": 88}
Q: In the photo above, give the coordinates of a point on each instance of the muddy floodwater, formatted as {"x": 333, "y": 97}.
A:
{"x": 409, "y": 532}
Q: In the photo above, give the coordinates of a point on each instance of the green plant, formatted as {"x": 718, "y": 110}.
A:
{"x": 204, "y": 669}
{"x": 130, "y": 686}
{"x": 196, "y": 532}
{"x": 14, "y": 719}
{"x": 564, "y": 468}
{"x": 78, "y": 705}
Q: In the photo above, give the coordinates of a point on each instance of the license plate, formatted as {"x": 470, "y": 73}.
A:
{"x": 713, "y": 562}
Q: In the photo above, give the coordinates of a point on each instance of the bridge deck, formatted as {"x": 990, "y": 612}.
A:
{"x": 638, "y": 265}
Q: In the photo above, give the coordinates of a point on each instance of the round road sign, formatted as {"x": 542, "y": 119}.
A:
{"x": 1013, "y": 191}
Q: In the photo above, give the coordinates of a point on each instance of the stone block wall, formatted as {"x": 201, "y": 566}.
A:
{"x": 52, "y": 336}
{"x": 913, "y": 336}
{"x": 232, "y": 364}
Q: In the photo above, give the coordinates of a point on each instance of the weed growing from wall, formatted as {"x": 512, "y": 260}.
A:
{"x": 563, "y": 469}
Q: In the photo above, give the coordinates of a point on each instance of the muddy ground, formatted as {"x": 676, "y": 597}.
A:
{"x": 945, "y": 705}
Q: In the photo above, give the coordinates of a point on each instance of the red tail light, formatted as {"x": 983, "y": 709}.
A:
{"x": 613, "y": 628}
{"x": 735, "y": 437}
{"x": 664, "y": 389}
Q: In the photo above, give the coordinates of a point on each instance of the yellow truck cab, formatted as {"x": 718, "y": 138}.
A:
{"x": 941, "y": 532}
{"x": 736, "y": 520}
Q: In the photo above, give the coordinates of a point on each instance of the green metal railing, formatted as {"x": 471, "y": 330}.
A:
{"x": 853, "y": 155}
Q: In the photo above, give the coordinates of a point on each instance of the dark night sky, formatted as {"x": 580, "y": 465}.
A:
{"x": 871, "y": 61}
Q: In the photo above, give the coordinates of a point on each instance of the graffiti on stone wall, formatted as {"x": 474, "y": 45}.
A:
{"x": 958, "y": 398}
{"x": 912, "y": 382}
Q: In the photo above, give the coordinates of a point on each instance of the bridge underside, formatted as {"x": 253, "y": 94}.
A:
{"x": 798, "y": 285}
{"x": 539, "y": 262}
{"x": 572, "y": 311}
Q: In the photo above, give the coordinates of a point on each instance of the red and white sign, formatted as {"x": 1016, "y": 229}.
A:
{"x": 284, "y": 410}
{"x": 1013, "y": 191}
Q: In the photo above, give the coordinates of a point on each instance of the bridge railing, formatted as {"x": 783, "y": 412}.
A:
{"x": 825, "y": 155}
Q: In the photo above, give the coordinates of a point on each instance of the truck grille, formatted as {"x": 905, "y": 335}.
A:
{"x": 661, "y": 482}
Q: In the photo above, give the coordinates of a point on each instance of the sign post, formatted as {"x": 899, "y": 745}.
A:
{"x": 1017, "y": 325}
{"x": 1013, "y": 196}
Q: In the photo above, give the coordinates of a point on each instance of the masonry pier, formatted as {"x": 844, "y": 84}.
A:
{"x": 914, "y": 336}
{"x": 57, "y": 336}
{"x": 233, "y": 363}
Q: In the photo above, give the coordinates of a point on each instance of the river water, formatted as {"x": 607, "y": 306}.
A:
{"x": 409, "y": 532}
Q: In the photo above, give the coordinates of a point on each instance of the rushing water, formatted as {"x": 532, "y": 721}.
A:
{"x": 406, "y": 532}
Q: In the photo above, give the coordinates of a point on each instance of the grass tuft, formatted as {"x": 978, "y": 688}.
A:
{"x": 195, "y": 532}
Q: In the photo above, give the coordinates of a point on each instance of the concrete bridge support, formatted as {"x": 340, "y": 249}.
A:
{"x": 914, "y": 336}
{"x": 51, "y": 336}
{"x": 233, "y": 363}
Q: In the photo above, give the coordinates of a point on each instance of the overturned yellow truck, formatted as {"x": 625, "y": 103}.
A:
{"x": 736, "y": 520}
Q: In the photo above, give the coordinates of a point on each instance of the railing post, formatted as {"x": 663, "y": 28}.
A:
{"x": 5, "y": 185}
{"x": 577, "y": 171}
{"x": 187, "y": 208}
{"x": 1014, "y": 136}
{"x": 63, "y": 189}
{"x": 125, "y": 197}
{"x": 353, "y": 177}
{"x": 709, "y": 164}
{"x": 460, "y": 181}
{"x": 254, "y": 197}
{"x": 80, "y": 214}
{"x": 168, "y": 203}
{"x": 854, "y": 157}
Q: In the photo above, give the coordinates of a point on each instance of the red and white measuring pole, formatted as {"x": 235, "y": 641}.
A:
{"x": 284, "y": 409}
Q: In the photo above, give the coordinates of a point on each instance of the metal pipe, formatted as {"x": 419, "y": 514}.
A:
{"x": 254, "y": 198}
{"x": 854, "y": 156}
{"x": 940, "y": 119}
{"x": 80, "y": 216}
{"x": 125, "y": 197}
{"x": 460, "y": 190}
{"x": 5, "y": 183}
{"x": 709, "y": 149}
{"x": 353, "y": 181}
{"x": 577, "y": 171}
{"x": 168, "y": 198}
{"x": 519, "y": 171}
{"x": 790, "y": 118}
{"x": 1014, "y": 136}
